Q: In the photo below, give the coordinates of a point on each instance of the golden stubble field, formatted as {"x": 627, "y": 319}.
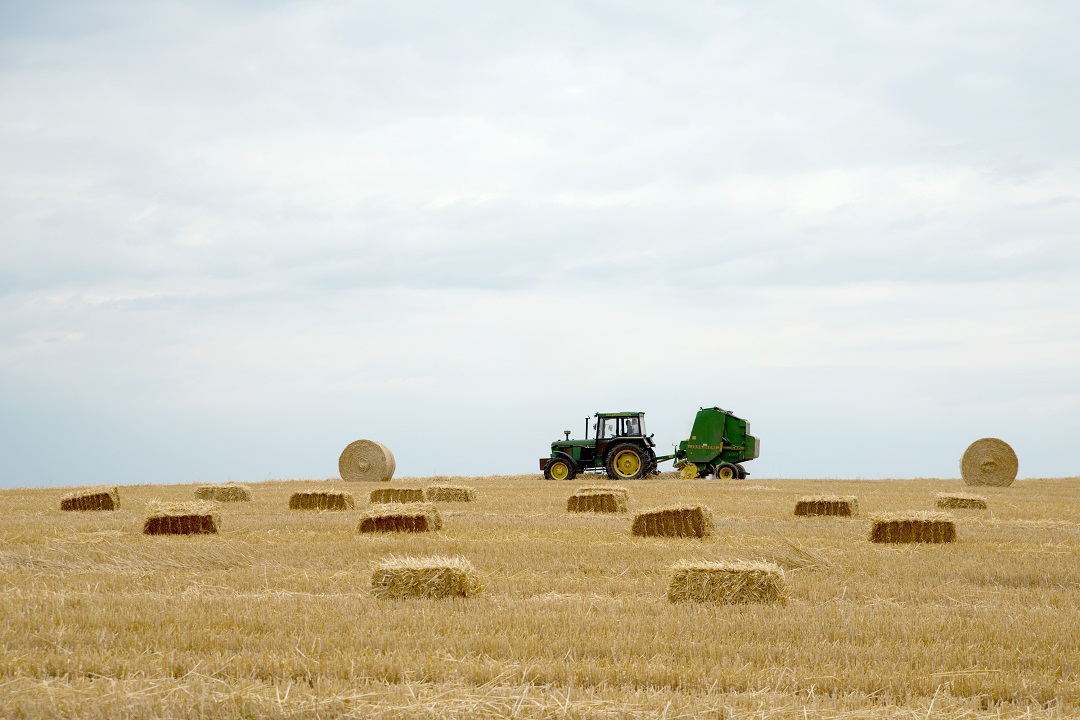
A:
{"x": 274, "y": 616}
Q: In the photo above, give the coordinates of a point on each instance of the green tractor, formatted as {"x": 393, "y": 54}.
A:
{"x": 718, "y": 444}
{"x": 619, "y": 447}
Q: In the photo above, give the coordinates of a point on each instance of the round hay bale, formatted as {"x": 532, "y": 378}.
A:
{"x": 366, "y": 461}
{"x": 989, "y": 462}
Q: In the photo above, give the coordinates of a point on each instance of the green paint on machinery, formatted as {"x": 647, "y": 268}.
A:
{"x": 619, "y": 447}
{"x": 719, "y": 442}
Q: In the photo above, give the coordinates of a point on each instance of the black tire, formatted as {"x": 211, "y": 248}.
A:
{"x": 560, "y": 468}
{"x": 727, "y": 471}
{"x": 627, "y": 461}
{"x": 742, "y": 472}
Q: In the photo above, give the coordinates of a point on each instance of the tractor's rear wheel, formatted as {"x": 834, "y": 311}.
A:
{"x": 742, "y": 471}
{"x": 726, "y": 471}
{"x": 559, "y": 469}
{"x": 627, "y": 462}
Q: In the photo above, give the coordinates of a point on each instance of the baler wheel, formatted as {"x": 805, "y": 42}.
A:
{"x": 742, "y": 472}
{"x": 559, "y": 469}
{"x": 627, "y": 462}
{"x": 726, "y": 471}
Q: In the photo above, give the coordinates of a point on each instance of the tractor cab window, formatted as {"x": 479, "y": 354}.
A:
{"x": 611, "y": 428}
{"x": 631, "y": 426}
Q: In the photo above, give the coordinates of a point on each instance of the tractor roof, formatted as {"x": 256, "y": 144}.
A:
{"x": 618, "y": 414}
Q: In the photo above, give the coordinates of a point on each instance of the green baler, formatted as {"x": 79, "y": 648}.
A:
{"x": 719, "y": 442}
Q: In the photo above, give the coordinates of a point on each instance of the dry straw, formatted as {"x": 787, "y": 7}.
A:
{"x": 425, "y": 577}
{"x": 188, "y": 518}
{"x": 366, "y": 460}
{"x": 617, "y": 489}
{"x": 397, "y": 495}
{"x": 730, "y": 583}
{"x": 839, "y": 505}
{"x": 100, "y": 498}
{"x": 960, "y": 501}
{"x": 684, "y": 521}
{"x": 223, "y": 493}
{"x": 918, "y": 527}
{"x": 321, "y": 501}
{"x": 989, "y": 462}
{"x": 400, "y": 517}
{"x": 599, "y": 501}
{"x": 449, "y": 493}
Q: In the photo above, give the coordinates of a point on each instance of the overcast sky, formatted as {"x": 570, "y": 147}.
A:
{"x": 236, "y": 236}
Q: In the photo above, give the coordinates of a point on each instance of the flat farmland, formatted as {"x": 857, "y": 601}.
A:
{"x": 274, "y": 615}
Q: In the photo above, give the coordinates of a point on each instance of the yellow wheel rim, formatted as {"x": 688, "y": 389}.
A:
{"x": 559, "y": 470}
{"x": 725, "y": 473}
{"x": 627, "y": 463}
{"x": 688, "y": 471}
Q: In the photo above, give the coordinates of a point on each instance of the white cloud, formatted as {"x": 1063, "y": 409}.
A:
{"x": 275, "y": 227}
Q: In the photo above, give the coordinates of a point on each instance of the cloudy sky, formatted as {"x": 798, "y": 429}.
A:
{"x": 236, "y": 236}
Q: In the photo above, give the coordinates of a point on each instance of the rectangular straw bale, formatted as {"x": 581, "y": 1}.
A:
{"x": 838, "y": 505}
{"x": 729, "y": 583}
{"x": 449, "y": 493}
{"x": 963, "y": 501}
{"x": 917, "y": 527}
{"x": 321, "y": 501}
{"x": 600, "y": 501}
{"x": 397, "y": 495}
{"x": 99, "y": 498}
{"x": 617, "y": 489}
{"x": 400, "y": 517}
{"x": 190, "y": 518}
{"x": 223, "y": 493}
{"x": 683, "y": 521}
{"x": 425, "y": 577}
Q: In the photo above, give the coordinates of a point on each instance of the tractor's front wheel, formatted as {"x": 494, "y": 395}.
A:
{"x": 627, "y": 462}
{"x": 559, "y": 469}
{"x": 726, "y": 471}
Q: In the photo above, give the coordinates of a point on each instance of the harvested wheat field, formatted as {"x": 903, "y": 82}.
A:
{"x": 321, "y": 501}
{"x": 102, "y": 498}
{"x": 449, "y": 493}
{"x": 731, "y": 583}
{"x": 223, "y": 493}
{"x": 397, "y": 495}
{"x": 828, "y": 505}
{"x": 434, "y": 576}
{"x": 275, "y": 615}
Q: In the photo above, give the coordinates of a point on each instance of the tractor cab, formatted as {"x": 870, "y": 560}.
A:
{"x": 610, "y": 427}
